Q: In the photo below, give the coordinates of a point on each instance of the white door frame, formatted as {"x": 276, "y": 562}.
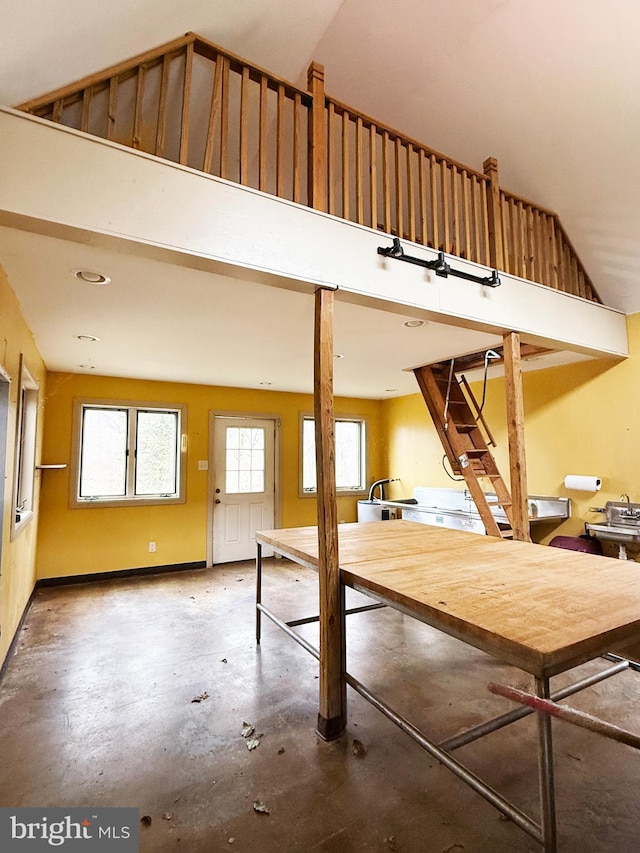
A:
{"x": 211, "y": 486}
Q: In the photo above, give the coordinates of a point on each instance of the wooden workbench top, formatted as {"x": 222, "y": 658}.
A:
{"x": 542, "y": 609}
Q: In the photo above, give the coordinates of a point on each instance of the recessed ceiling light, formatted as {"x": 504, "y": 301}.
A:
{"x": 338, "y": 355}
{"x": 413, "y": 324}
{"x": 91, "y": 276}
{"x": 91, "y": 338}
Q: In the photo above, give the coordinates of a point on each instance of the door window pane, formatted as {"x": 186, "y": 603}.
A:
{"x": 244, "y": 460}
{"x": 156, "y": 441}
{"x": 104, "y": 452}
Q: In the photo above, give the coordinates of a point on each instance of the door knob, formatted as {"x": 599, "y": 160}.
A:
{"x": 217, "y": 500}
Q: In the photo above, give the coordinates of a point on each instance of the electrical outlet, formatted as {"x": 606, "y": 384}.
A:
{"x": 152, "y": 547}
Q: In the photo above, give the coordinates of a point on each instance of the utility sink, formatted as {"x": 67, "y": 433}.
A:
{"x": 622, "y": 524}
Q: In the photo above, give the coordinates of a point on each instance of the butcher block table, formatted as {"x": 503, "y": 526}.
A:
{"x": 543, "y": 610}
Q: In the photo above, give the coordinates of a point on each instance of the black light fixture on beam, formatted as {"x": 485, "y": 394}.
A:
{"x": 439, "y": 265}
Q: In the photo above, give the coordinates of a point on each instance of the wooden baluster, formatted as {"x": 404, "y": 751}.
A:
{"x": 411, "y": 193}
{"x": 477, "y": 254}
{"x": 244, "y": 125}
{"x": 466, "y": 207}
{"x": 297, "y": 108}
{"x": 161, "y": 128}
{"x": 224, "y": 120}
{"x": 346, "y": 167}
{"x": 455, "y": 209}
{"x": 541, "y": 257}
{"x": 359, "y": 185}
{"x": 507, "y": 248}
{"x": 111, "y": 107}
{"x": 56, "y": 114}
{"x": 496, "y": 250}
{"x": 552, "y": 247}
{"x": 216, "y": 92}
{"x": 137, "y": 112}
{"x": 399, "y": 193}
{"x": 86, "y": 110}
{"x": 530, "y": 249}
{"x": 186, "y": 105}
{"x": 575, "y": 278}
{"x": 422, "y": 189}
{"x": 317, "y": 139}
{"x": 515, "y": 236}
{"x": 331, "y": 156}
{"x": 484, "y": 208}
{"x": 373, "y": 172}
{"x": 444, "y": 187}
{"x": 262, "y": 131}
{"x": 386, "y": 182}
{"x": 433, "y": 176}
{"x": 522, "y": 232}
{"x": 280, "y": 111}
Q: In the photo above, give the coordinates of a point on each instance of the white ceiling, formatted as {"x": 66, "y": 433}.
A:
{"x": 551, "y": 89}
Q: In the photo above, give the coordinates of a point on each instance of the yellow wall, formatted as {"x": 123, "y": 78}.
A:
{"x": 579, "y": 419}
{"x": 17, "y": 568}
{"x": 94, "y": 539}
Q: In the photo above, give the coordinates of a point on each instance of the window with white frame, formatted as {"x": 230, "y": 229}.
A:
{"x": 351, "y": 457}
{"x": 127, "y": 453}
{"x": 25, "y": 449}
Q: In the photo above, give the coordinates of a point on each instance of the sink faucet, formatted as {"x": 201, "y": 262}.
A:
{"x": 627, "y": 512}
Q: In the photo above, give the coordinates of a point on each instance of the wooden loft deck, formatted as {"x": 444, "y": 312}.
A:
{"x": 191, "y": 102}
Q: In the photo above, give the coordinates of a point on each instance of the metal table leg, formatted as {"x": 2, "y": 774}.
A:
{"x": 545, "y": 772}
{"x": 258, "y": 590}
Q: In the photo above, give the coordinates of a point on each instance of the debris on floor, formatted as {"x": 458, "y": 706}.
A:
{"x": 453, "y": 847}
{"x": 224, "y": 660}
{"x": 358, "y": 748}
{"x": 260, "y": 807}
{"x": 281, "y": 750}
{"x": 201, "y": 697}
{"x": 167, "y": 816}
{"x": 247, "y": 730}
{"x": 391, "y": 842}
{"x": 253, "y": 743}
{"x": 145, "y": 820}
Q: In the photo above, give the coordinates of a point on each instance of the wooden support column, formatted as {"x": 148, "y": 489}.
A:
{"x": 496, "y": 252}
{"x": 515, "y": 428}
{"x": 332, "y": 713}
{"x": 317, "y": 136}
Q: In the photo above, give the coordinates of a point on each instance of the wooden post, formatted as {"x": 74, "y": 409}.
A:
{"x": 332, "y": 712}
{"x": 496, "y": 254}
{"x": 317, "y": 159}
{"x": 515, "y": 428}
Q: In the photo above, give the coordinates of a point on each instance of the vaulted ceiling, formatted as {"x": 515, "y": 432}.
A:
{"x": 550, "y": 89}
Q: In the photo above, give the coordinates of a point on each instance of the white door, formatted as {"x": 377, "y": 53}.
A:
{"x": 244, "y": 485}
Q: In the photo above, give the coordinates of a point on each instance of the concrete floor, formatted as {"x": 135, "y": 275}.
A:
{"x": 96, "y": 710}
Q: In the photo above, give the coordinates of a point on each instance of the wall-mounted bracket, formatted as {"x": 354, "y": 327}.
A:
{"x": 439, "y": 265}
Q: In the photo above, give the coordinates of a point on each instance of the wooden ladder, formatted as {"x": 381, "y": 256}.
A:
{"x": 463, "y": 441}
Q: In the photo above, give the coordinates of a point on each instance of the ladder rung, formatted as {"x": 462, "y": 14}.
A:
{"x": 465, "y": 427}
{"x": 499, "y": 503}
{"x": 476, "y": 452}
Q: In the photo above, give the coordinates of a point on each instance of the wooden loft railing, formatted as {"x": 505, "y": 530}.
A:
{"x": 196, "y": 104}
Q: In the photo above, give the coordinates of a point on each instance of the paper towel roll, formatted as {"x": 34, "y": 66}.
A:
{"x": 582, "y": 483}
